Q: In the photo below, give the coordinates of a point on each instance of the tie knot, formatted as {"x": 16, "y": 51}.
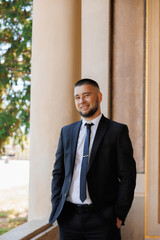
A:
{"x": 88, "y": 125}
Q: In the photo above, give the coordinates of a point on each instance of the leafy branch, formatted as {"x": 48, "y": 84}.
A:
{"x": 15, "y": 69}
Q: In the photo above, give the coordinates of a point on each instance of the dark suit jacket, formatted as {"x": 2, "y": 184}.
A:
{"x": 112, "y": 173}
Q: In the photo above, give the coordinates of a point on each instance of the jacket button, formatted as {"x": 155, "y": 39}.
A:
{"x": 65, "y": 194}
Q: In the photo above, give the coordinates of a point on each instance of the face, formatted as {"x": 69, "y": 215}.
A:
{"x": 87, "y": 101}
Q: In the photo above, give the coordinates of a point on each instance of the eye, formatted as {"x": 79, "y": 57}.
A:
{"x": 76, "y": 98}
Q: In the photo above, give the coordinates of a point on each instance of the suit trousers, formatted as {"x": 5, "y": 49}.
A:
{"x": 83, "y": 223}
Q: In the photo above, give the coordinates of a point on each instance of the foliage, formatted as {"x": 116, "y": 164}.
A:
{"x": 5, "y": 214}
{"x": 10, "y": 219}
{"x": 15, "y": 69}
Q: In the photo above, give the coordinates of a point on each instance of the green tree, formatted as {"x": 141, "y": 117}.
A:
{"x": 15, "y": 69}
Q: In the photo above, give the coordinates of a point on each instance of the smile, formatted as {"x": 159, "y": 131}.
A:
{"x": 84, "y": 107}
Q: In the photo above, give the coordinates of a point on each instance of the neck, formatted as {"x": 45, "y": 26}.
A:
{"x": 92, "y": 117}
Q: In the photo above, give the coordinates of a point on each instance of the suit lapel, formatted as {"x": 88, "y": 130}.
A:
{"x": 73, "y": 141}
{"x": 101, "y": 130}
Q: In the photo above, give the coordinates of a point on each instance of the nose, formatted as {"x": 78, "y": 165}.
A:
{"x": 81, "y": 100}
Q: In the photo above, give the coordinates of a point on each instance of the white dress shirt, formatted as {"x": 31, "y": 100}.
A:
{"x": 74, "y": 192}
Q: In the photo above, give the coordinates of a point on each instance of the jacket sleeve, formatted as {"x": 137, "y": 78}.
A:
{"x": 126, "y": 168}
{"x": 58, "y": 173}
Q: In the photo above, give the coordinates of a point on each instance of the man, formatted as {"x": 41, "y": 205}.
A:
{"x": 94, "y": 173}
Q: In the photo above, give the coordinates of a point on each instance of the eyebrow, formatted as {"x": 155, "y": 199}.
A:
{"x": 82, "y": 94}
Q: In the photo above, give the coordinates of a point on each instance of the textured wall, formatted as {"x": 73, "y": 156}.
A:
{"x": 128, "y": 71}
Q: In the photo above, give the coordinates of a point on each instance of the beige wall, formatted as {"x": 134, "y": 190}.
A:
{"x": 128, "y": 59}
{"x": 127, "y": 96}
{"x": 152, "y": 227}
{"x": 134, "y": 229}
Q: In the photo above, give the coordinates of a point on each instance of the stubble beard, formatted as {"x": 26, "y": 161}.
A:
{"x": 91, "y": 112}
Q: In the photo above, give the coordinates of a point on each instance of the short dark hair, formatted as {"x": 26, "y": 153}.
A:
{"x": 87, "y": 81}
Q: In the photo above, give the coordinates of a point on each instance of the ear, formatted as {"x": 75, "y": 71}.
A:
{"x": 99, "y": 97}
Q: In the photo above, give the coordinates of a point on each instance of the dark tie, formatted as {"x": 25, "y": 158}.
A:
{"x": 84, "y": 166}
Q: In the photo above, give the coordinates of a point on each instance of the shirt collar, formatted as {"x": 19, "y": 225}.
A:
{"x": 95, "y": 121}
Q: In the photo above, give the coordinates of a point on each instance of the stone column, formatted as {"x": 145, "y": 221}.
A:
{"x": 95, "y": 45}
{"x": 56, "y": 66}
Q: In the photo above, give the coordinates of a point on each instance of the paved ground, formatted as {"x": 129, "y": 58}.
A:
{"x": 14, "y": 181}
